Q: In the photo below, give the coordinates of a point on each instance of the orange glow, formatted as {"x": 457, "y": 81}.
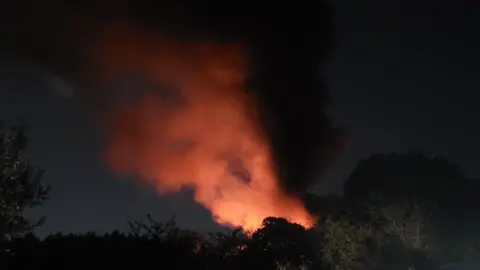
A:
{"x": 209, "y": 141}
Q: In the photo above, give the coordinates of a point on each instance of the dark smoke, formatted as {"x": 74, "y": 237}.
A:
{"x": 238, "y": 170}
{"x": 288, "y": 42}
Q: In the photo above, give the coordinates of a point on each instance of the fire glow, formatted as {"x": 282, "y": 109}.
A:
{"x": 206, "y": 138}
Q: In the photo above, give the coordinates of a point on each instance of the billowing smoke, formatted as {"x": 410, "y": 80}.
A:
{"x": 223, "y": 92}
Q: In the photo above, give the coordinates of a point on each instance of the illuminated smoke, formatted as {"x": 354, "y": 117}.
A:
{"x": 147, "y": 73}
{"x": 204, "y": 135}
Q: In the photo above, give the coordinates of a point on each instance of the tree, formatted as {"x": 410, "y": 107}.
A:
{"x": 279, "y": 242}
{"x": 420, "y": 196}
{"x": 403, "y": 220}
{"x": 152, "y": 229}
{"x": 405, "y": 176}
{"x": 228, "y": 250}
{"x": 393, "y": 236}
{"x": 230, "y": 245}
{"x": 183, "y": 247}
{"x": 20, "y": 185}
{"x": 345, "y": 244}
{"x": 406, "y": 231}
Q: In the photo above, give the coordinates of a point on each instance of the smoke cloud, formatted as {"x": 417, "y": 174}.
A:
{"x": 110, "y": 52}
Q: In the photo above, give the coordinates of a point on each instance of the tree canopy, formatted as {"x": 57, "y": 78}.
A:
{"x": 20, "y": 185}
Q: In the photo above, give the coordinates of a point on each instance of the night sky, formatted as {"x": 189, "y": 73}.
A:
{"x": 403, "y": 77}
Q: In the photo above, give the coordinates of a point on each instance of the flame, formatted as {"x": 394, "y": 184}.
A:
{"x": 203, "y": 134}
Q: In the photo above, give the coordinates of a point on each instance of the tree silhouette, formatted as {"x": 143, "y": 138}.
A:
{"x": 152, "y": 229}
{"x": 230, "y": 245}
{"x": 411, "y": 196}
{"x": 345, "y": 244}
{"x": 405, "y": 231}
{"x": 281, "y": 242}
{"x": 20, "y": 185}
{"x": 405, "y": 176}
{"x": 227, "y": 250}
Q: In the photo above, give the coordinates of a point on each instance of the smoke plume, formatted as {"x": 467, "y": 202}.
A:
{"x": 220, "y": 96}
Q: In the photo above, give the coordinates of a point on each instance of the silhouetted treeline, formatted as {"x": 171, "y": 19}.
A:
{"x": 279, "y": 242}
{"x": 399, "y": 211}
{"x": 92, "y": 251}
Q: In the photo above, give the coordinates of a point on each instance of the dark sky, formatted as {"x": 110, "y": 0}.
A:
{"x": 404, "y": 76}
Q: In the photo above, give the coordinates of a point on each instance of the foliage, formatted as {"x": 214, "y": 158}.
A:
{"x": 20, "y": 185}
{"x": 345, "y": 245}
{"x": 152, "y": 229}
{"x": 283, "y": 242}
{"x": 229, "y": 246}
{"x": 403, "y": 220}
{"x": 420, "y": 206}
{"x": 167, "y": 233}
{"x": 288, "y": 266}
{"x": 435, "y": 182}
{"x": 278, "y": 245}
